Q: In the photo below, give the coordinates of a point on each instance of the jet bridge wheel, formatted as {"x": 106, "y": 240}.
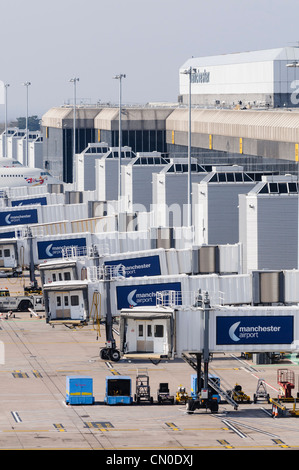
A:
{"x": 114, "y": 355}
{"x": 104, "y": 354}
{"x": 25, "y": 305}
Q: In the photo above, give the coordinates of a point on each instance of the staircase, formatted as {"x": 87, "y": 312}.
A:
{"x": 190, "y": 360}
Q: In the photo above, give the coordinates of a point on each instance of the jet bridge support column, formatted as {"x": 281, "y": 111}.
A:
{"x": 205, "y": 396}
{"x": 110, "y": 351}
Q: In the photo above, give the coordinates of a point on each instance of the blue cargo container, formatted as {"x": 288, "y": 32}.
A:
{"x": 79, "y": 390}
{"x": 118, "y": 390}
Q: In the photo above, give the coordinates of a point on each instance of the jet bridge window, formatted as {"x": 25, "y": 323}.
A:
{"x": 282, "y": 188}
{"x": 264, "y": 189}
{"x": 293, "y": 188}
{"x": 159, "y": 331}
{"x": 74, "y": 300}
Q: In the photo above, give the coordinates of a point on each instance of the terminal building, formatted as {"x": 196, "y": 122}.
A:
{"x": 244, "y": 108}
{"x": 258, "y": 78}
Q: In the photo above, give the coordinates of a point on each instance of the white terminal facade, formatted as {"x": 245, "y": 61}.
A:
{"x": 255, "y": 78}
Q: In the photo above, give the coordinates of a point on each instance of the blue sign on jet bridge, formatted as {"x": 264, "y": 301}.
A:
{"x": 268, "y": 329}
{"x": 28, "y": 202}
{"x": 53, "y": 248}
{"x": 143, "y": 294}
{"x": 135, "y": 267}
{"x": 22, "y": 217}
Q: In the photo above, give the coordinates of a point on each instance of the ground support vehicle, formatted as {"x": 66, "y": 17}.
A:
{"x": 286, "y": 381}
{"x": 22, "y": 303}
{"x": 143, "y": 391}
{"x": 238, "y": 395}
{"x": 181, "y": 395}
{"x": 163, "y": 395}
{"x": 261, "y": 393}
{"x": 118, "y": 390}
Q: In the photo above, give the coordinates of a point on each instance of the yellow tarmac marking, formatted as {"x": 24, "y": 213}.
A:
{"x": 172, "y": 426}
{"x": 226, "y": 444}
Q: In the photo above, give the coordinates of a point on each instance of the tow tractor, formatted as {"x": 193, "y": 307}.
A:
{"x": 238, "y": 395}
{"x": 20, "y": 303}
{"x": 181, "y": 395}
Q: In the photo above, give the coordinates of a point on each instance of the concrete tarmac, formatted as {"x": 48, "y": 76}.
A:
{"x": 34, "y": 415}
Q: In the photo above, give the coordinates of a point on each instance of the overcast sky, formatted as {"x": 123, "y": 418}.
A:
{"x": 49, "y": 42}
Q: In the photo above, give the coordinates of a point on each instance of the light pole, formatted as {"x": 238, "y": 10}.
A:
{"x": 74, "y": 81}
{"x": 119, "y": 77}
{"x": 26, "y": 84}
{"x": 189, "y": 72}
{"x": 6, "y": 86}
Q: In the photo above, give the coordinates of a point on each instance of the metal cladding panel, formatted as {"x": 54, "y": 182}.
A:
{"x": 134, "y": 241}
{"x": 116, "y": 242}
{"x": 100, "y": 179}
{"x": 273, "y": 125}
{"x": 209, "y": 283}
{"x": 89, "y": 176}
{"x": 176, "y": 196}
{"x": 184, "y": 261}
{"x": 236, "y": 289}
{"x": 254, "y": 329}
{"x": 133, "y": 118}
{"x": 277, "y": 232}
{"x": 189, "y": 328}
{"x": 199, "y": 212}
{"x": 52, "y": 228}
{"x": 141, "y": 188}
{"x": 230, "y": 78}
{"x": 183, "y": 237}
{"x": 229, "y": 258}
{"x": 172, "y": 262}
{"x": 223, "y": 213}
{"x": 243, "y": 232}
{"x": 107, "y": 242}
{"x": 252, "y": 245}
{"x": 54, "y": 213}
{"x": 291, "y": 292}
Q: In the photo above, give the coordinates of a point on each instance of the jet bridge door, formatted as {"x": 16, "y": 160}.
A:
{"x": 62, "y": 303}
{"x": 144, "y": 338}
{"x": 69, "y": 304}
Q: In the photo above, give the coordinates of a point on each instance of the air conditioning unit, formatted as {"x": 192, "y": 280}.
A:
{"x": 268, "y": 287}
{"x": 205, "y": 259}
{"x": 73, "y": 197}
{"x": 127, "y": 222}
{"x": 162, "y": 237}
